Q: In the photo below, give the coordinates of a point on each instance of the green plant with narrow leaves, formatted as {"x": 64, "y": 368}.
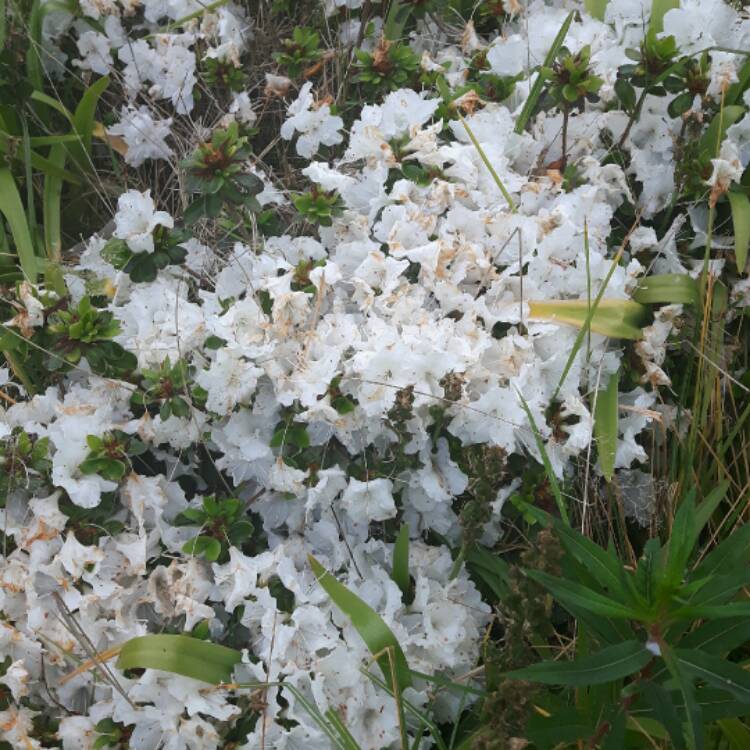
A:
{"x": 641, "y": 635}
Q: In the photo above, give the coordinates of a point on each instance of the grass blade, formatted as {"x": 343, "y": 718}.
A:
{"x": 12, "y": 208}
{"x": 181, "y": 654}
{"x": 370, "y": 626}
{"x": 606, "y": 420}
{"x": 617, "y": 318}
{"x": 536, "y": 89}
{"x": 400, "y": 573}
{"x": 740, "y": 205}
{"x": 488, "y": 164}
{"x": 84, "y": 122}
{"x": 51, "y": 206}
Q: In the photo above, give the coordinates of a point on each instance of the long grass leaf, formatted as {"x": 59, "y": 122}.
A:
{"x": 488, "y": 164}
{"x": 740, "y": 205}
{"x": 606, "y": 422}
{"x": 51, "y": 211}
{"x": 84, "y": 121}
{"x": 12, "y": 208}
{"x": 181, "y": 654}
{"x": 668, "y": 288}
{"x": 400, "y": 572}
{"x": 369, "y": 624}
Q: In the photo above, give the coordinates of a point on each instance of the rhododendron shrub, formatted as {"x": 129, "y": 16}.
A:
{"x": 326, "y": 301}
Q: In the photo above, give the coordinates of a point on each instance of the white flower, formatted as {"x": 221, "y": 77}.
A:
{"x": 369, "y": 501}
{"x": 315, "y": 125}
{"x": 136, "y": 219}
{"x": 143, "y": 135}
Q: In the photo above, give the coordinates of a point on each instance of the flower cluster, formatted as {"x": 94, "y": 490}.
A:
{"x": 222, "y": 397}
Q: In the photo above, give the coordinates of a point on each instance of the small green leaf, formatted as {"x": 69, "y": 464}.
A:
{"x": 606, "y": 425}
{"x": 370, "y": 626}
{"x": 180, "y": 654}
{"x": 740, "y": 205}
{"x": 609, "y": 664}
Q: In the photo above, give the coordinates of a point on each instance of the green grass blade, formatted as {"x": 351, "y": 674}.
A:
{"x": 609, "y": 664}
{"x": 488, "y": 164}
{"x": 606, "y": 422}
{"x": 370, "y": 626}
{"x": 400, "y": 572}
{"x": 181, "y": 654}
{"x": 51, "y": 210}
{"x": 12, "y": 208}
{"x": 740, "y": 205}
{"x": 538, "y": 87}
{"x": 84, "y": 121}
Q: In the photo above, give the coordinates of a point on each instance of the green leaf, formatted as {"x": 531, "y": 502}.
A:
{"x": 12, "y": 208}
{"x": 569, "y": 592}
{"x": 538, "y": 85}
{"x": 681, "y": 542}
{"x": 205, "y": 546}
{"x": 83, "y": 121}
{"x": 731, "y": 553}
{"x": 51, "y": 211}
{"x": 370, "y": 626}
{"x": 715, "y": 671}
{"x": 665, "y": 712}
{"x": 736, "y": 732}
{"x": 400, "y": 572}
{"x": 719, "y": 636}
{"x": 692, "y": 707}
{"x": 617, "y": 318}
{"x": 490, "y": 568}
{"x": 180, "y": 654}
{"x": 606, "y": 421}
{"x": 668, "y": 288}
{"x": 602, "y": 565}
{"x": 740, "y": 205}
{"x": 609, "y": 664}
